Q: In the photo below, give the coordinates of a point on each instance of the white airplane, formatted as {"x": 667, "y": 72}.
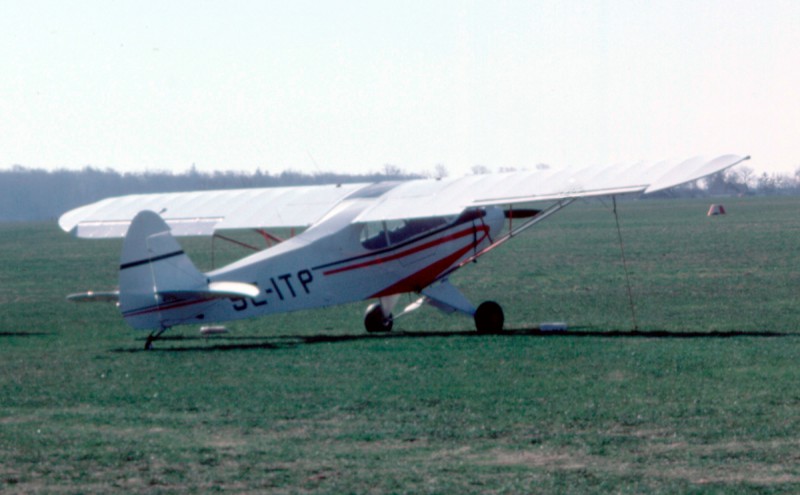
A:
{"x": 362, "y": 241}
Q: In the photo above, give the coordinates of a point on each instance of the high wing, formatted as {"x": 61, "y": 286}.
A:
{"x": 420, "y": 199}
{"x": 204, "y": 212}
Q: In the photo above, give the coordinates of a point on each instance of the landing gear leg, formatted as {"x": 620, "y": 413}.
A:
{"x": 489, "y": 317}
{"x": 376, "y": 321}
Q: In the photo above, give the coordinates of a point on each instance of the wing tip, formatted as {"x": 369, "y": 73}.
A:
{"x": 708, "y": 167}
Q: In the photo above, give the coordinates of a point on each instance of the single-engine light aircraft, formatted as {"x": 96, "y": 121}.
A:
{"x": 361, "y": 241}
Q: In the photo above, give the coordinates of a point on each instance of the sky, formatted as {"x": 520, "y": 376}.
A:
{"x": 351, "y": 86}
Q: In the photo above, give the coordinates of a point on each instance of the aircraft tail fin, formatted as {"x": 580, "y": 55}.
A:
{"x": 159, "y": 286}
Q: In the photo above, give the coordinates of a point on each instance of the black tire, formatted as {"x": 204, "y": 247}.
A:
{"x": 489, "y": 318}
{"x": 375, "y": 322}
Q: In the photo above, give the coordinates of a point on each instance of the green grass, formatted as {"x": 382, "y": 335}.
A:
{"x": 701, "y": 398}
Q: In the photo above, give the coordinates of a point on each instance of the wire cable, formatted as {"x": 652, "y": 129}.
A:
{"x": 625, "y": 266}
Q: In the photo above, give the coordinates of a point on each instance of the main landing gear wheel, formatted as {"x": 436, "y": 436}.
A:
{"x": 489, "y": 317}
{"x": 374, "y": 321}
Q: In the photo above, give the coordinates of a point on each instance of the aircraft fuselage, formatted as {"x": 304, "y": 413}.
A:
{"x": 336, "y": 261}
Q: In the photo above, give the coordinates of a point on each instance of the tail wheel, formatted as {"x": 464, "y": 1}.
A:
{"x": 374, "y": 321}
{"x": 489, "y": 317}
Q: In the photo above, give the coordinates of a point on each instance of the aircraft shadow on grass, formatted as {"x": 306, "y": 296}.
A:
{"x": 275, "y": 342}
{"x": 24, "y": 334}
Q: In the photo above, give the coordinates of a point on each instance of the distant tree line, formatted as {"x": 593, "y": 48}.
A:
{"x": 28, "y": 194}
{"x": 33, "y": 194}
{"x": 741, "y": 181}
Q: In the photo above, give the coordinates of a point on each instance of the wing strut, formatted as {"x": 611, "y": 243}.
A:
{"x": 514, "y": 231}
{"x": 559, "y": 205}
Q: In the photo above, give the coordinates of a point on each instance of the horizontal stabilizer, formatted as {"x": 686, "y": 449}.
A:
{"x": 94, "y": 296}
{"x": 215, "y": 290}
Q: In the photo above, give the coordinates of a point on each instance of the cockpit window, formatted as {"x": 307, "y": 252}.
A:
{"x": 377, "y": 235}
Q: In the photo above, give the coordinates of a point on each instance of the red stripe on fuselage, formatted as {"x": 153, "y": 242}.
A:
{"x": 163, "y": 307}
{"x": 424, "y": 277}
{"x": 409, "y": 252}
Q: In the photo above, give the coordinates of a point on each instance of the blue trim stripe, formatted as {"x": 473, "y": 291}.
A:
{"x": 150, "y": 260}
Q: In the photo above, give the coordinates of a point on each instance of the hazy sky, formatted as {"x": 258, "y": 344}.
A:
{"x": 351, "y": 86}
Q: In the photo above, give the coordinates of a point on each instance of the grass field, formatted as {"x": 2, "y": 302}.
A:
{"x": 702, "y": 397}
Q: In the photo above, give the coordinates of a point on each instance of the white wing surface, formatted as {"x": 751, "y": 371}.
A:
{"x": 203, "y": 212}
{"x": 426, "y": 198}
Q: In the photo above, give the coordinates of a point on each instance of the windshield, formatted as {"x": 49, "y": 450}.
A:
{"x": 376, "y": 235}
